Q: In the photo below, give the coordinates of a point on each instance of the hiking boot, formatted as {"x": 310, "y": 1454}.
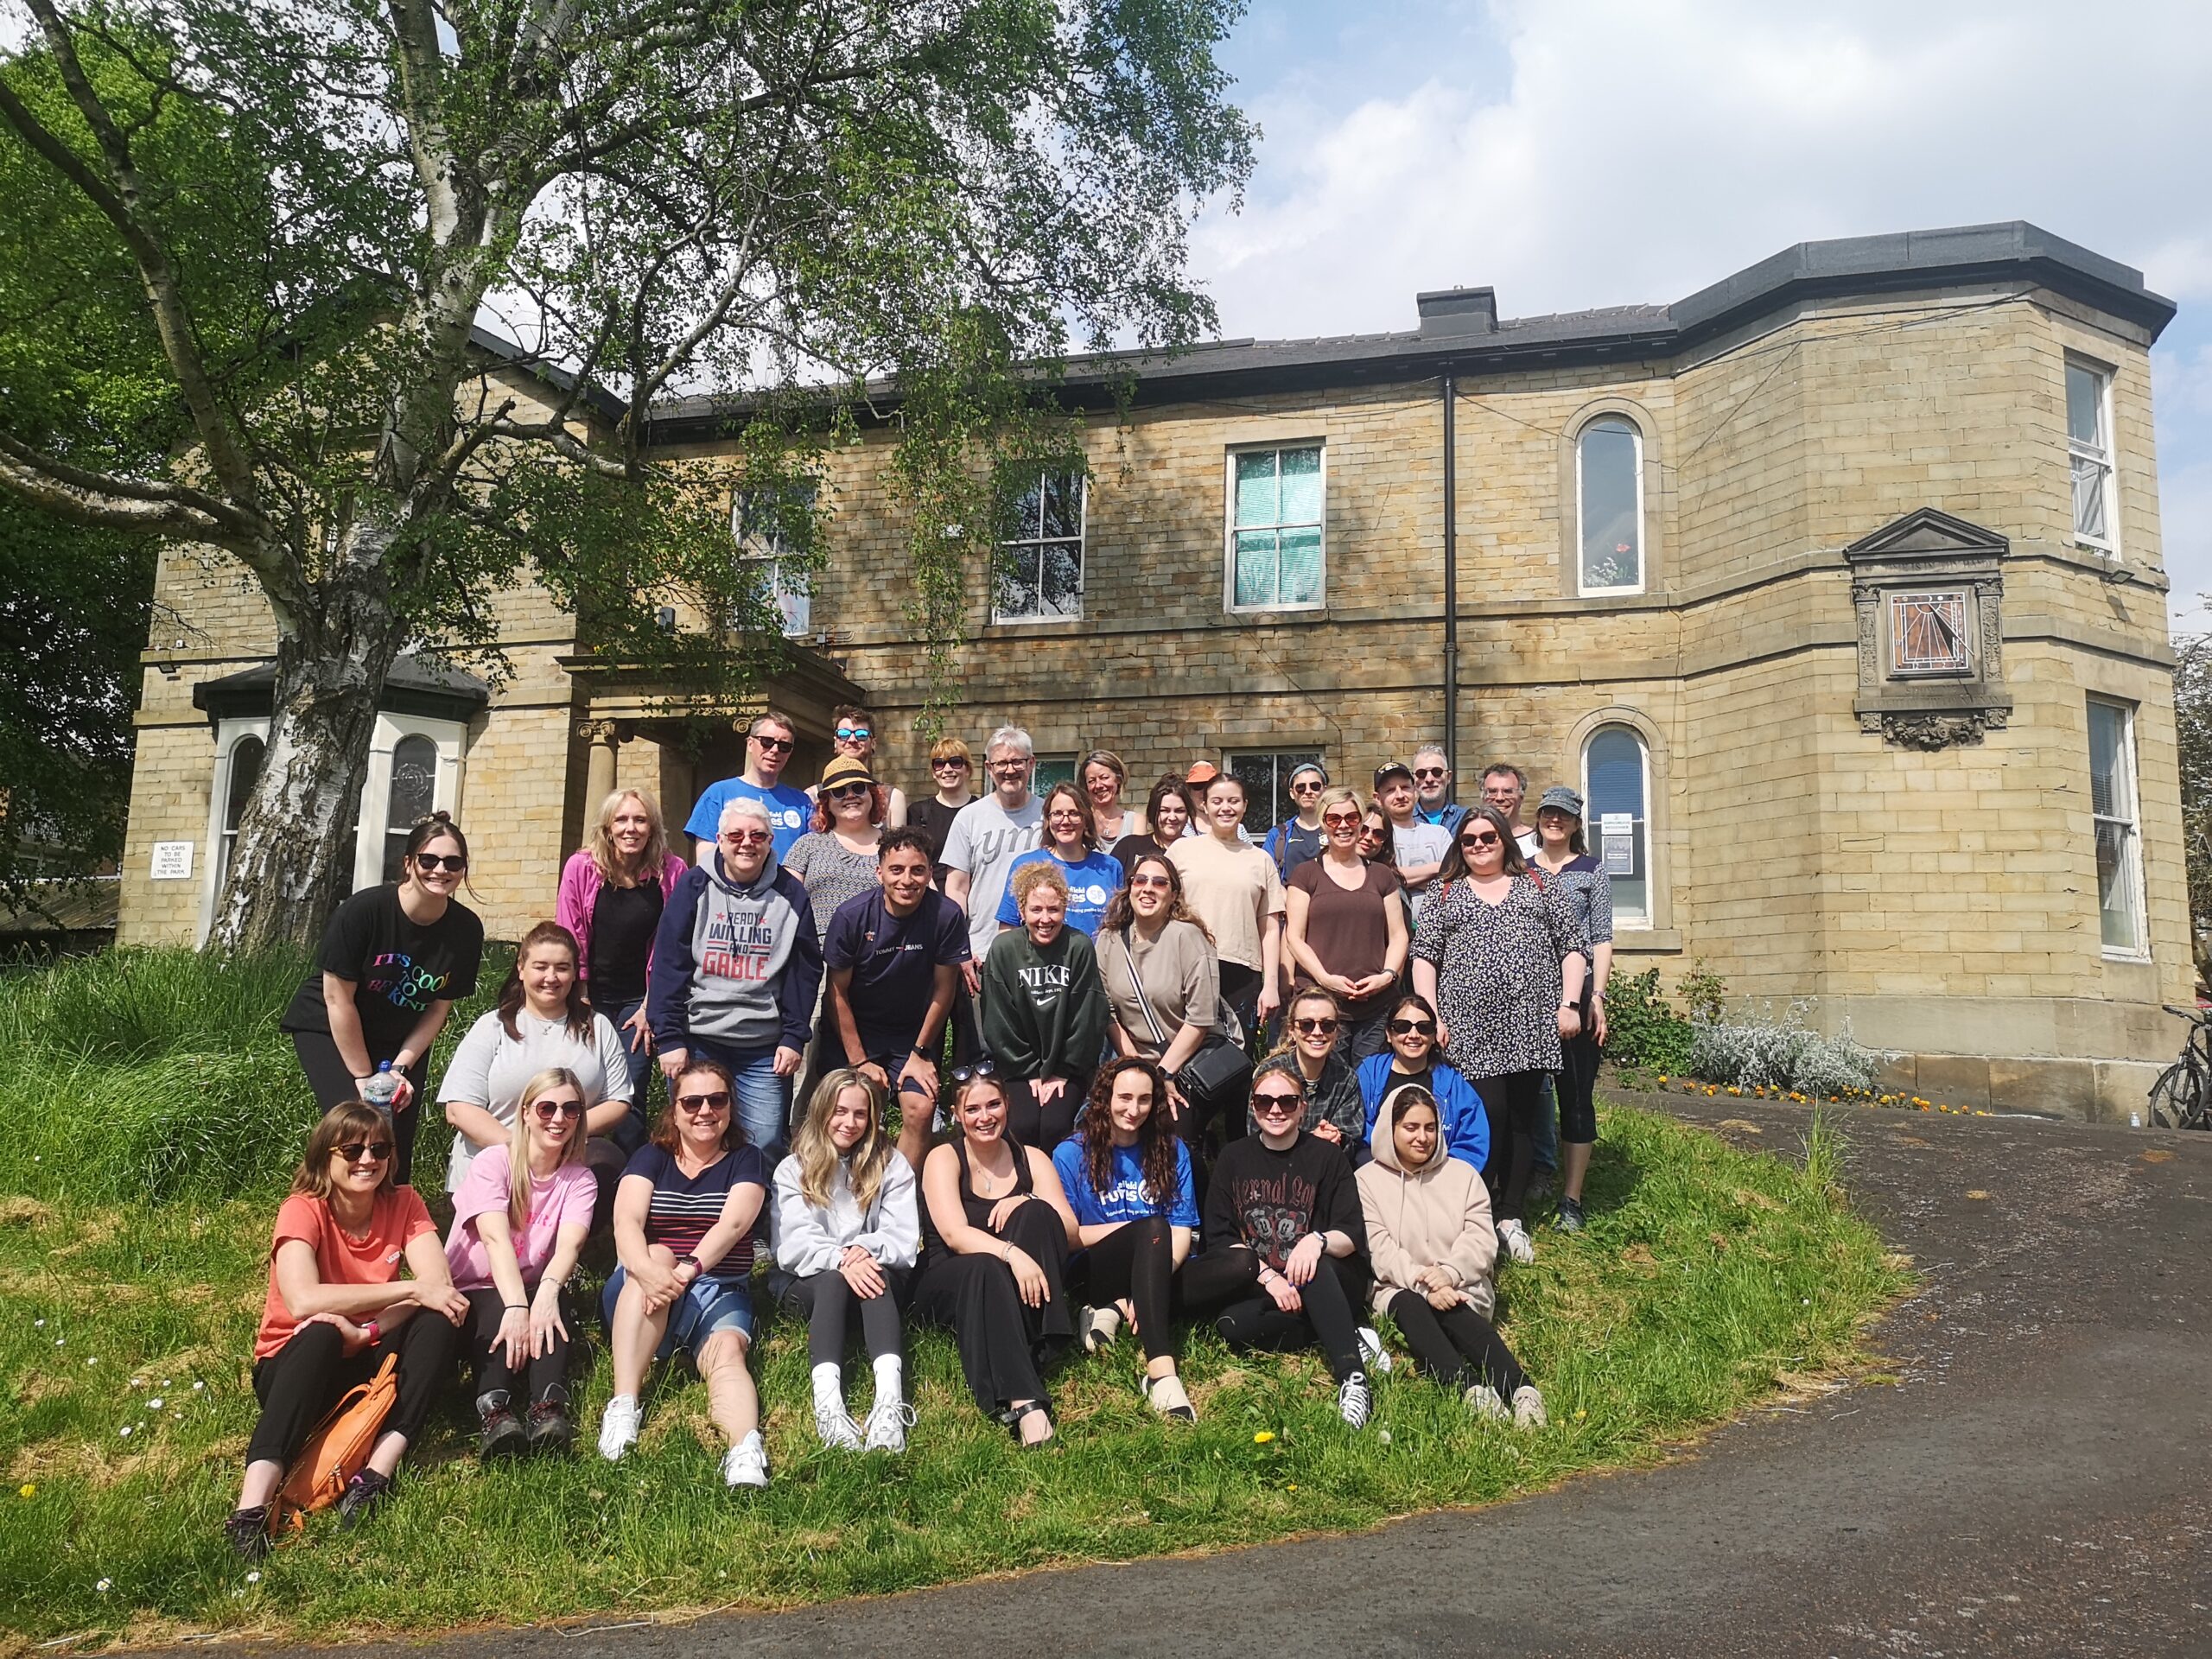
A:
{"x": 1353, "y": 1400}
{"x": 1514, "y": 1238}
{"x": 1487, "y": 1403}
{"x": 1372, "y": 1352}
{"x": 363, "y": 1493}
{"x": 551, "y": 1428}
{"x": 1529, "y": 1408}
{"x": 1570, "y": 1215}
{"x": 504, "y": 1435}
{"x": 618, "y": 1427}
{"x": 888, "y": 1425}
{"x": 248, "y": 1532}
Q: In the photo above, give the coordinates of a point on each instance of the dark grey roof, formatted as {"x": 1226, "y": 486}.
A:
{"x": 598, "y": 397}
{"x": 413, "y": 687}
{"x": 1461, "y": 332}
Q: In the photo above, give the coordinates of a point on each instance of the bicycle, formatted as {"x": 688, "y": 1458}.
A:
{"x": 2182, "y": 1097}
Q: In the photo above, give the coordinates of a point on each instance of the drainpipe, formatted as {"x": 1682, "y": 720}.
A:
{"x": 1451, "y": 582}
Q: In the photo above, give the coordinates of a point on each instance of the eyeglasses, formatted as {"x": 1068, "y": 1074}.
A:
{"x": 749, "y": 837}
{"x": 775, "y": 745}
{"x": 1010, "y": 765}
{"x": 849, "y": 792}
{"x": 455, "y": 862}
{"x": 950, "y": 763}
{"x": 546, "y": 1110}
{"x": 1340, "y": 820}
{"x": 1429, "y": 774}
{"x": 354, "y": 1151}
{"x": 1486, "y": 838}
{"x": 981, "y": 1069}
{"x": 1325, "y": 1026}
{"x": 1160, "y": 881}
{"x": 701, "y": 1105}
{"x": 1408, "y": 1027}
{"x": 1277, "y": 1101}
{"x": 853, "y": 734}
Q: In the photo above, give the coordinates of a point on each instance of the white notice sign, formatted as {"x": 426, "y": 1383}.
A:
{"x": 1619, "y": 831}
{"x": 173, "y": 861}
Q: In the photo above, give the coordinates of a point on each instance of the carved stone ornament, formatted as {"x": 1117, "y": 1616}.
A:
{"x": 1929, "y": 591}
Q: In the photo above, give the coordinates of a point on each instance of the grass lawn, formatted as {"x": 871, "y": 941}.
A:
{"x": 128, "y": 1299}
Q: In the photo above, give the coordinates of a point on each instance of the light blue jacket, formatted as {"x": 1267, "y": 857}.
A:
{"x": 1464, "y": 1125}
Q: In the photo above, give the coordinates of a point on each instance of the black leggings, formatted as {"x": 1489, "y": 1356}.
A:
{"x": 826, "y": 1300}
{"x": 1458, "y": 1347}
{"x": 1577, "y": 1076}
{"x": 1239, "y": 989}
{"x": 1043, "y": 1126}
{"x": 1137, "y": 1260}
{"x": 1005, "y": 1344}
{"x": 546, "y": 1374}
{"x": 1510, "y": 1104}
{"x": 1228, "y": 1279}
{"x": 332, "y": 1080}
{"x": 299, "y": 1383}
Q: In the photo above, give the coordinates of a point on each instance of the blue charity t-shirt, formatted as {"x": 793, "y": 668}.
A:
{"x": 1125, "y": 1200}
{"x": 1091, "y": 884}
{"x": 789, "y": 807}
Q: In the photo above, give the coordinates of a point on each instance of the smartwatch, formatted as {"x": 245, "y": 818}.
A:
{"x": 697, "y": 1268}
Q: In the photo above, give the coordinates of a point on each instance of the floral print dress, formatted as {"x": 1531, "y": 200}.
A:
{"x": 1497, "y": 973}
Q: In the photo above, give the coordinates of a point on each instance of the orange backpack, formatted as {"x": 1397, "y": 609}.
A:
{"x": 338, "y": 1450}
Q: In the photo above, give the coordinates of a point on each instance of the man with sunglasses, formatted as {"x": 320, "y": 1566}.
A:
{"x": 990, "y": 833}
{"x": 1300, "y": 836}
{"x": 1433, "y": 800}
{"x": 853, "y": 737}
{"x": 768, "y": 745}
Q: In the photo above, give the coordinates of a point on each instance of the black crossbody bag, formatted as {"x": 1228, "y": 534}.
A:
{"x": 1214, "y": 1077}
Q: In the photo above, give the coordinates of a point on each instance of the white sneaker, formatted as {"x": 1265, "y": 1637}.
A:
{"x": 888, "y": 1425}
{"x": 1515, "y": 1237}
{"x": 1372, "y": 1350}
{"x": 746, "y": 1464}
{"x": 618, "y": 1428}
{"x": 836, "y": 1427}
{"x": 1353, "y": 1400}
{"x": 1529, "y": 1408}
{"x": 1098, "y": 1326}
{"x": 1484, "y": 1400}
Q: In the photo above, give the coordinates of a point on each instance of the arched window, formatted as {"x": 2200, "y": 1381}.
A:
{"x": 414, "y": 791}
{"x": 1609, "y": 489}
{"x": 1616, "y": 785}
{"x": 246, "y": 771}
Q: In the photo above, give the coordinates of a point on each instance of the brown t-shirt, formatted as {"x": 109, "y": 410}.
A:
{"x": 1348, "y": 928}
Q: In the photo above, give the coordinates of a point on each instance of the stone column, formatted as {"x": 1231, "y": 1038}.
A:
{"x": 599, "y": 772}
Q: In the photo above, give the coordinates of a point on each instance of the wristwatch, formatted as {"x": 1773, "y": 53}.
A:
{"x": 696, "y": 1267}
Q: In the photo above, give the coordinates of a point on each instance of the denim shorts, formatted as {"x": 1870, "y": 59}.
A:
{"x": 708, "y": 1306}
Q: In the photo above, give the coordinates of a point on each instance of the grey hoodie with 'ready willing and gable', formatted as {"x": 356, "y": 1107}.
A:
{"x": 734, "y": 963}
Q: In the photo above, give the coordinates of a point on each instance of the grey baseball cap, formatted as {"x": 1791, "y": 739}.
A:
{"x": 1559, "y": 798}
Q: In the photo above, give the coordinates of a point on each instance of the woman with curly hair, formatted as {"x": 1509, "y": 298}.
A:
{"x": 1128, "y": 1180}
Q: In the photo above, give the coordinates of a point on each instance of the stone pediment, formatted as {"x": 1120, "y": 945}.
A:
{"x": 1928, "y": 589}
{"x": 1924, "y": 535}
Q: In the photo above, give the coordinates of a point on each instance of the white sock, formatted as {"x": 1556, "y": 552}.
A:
{"x": 829, "y": 1388}
{"x": 890, "y": 1380}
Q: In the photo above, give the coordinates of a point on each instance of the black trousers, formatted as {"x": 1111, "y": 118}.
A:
{"x": 604, "y": 1157}
{"x": 1005, "y": 1344}
{"x": 826, "y": 1302}
{"x": 1578, "y": 1078}
{"x": 1043, "y": 1126}
{"x": 1229, "y": 1281}
{"x": 1509, "y": 1105}
{"x": 1137, "y": 1260}
{"x": 1239, "y": 989}
{"x": 299, "y": 1383}
{"x": 332, "y": 1080}
{"x": 543, "y": 1375}
{"x": 1458, "y": 1347}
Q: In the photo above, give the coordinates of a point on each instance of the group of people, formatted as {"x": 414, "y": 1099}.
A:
{"x": 1283, "y": 1085}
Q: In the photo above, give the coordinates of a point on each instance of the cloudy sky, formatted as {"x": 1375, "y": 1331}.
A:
{"x": 1588, "y": 152}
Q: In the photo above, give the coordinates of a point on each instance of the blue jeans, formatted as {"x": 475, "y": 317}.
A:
{"x": 706, "y": 1308}
{"x": 630, "y": 1133}
{"x": 764, "y": 1100}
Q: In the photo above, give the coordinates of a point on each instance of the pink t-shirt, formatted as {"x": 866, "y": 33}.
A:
{"x": 563, "y": 1198}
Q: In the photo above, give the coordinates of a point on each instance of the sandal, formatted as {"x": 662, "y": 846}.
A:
{"x": 1164, "y": 1395}
{"x": 1013, "y": 1415}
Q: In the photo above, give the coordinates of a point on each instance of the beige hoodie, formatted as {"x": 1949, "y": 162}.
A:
{"x": 1435, "y": 1216}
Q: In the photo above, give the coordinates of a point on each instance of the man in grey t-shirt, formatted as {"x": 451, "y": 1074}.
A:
{"x": 1420, "y": 846}
{"x": 987, "y": 835}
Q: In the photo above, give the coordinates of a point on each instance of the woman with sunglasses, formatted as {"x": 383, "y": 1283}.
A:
{"x": 1284, "y": 1242}
{"x": 848, "y": 1231}
{"x": 1092, "y": 877}
{"x": 1411, "y": 1059}
{"x": 995, "y": 1232}
{"x": 1500, "y": 958}
{"x": 336, "y": 1308}
{"x": 1044, "y": 1017}
{"x": 835, "y": 858}
{"x": 1167, "y": 813}
{"x": 1104, "y": 778}
{"x": 518, "y": 1220}
{"x": 686, "y": 1216}
{"x": 1163, "y": 983}
{"x": 952, "y": 768}
{"x": 852, "y": 737}
{"x": 1344, "y": 925}
{"x": 394, "y": 961}
{"x": 1430, "y": 1238}
{"x": 1312, "y": 1046}
{"x": 1128, "y": 1181}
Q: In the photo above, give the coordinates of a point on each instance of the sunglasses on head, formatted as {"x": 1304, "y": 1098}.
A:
{"x": 1324, "y": 1026}
{"x": 962, "y": 1074}
{"x": 699, "y": 1105}
{"x": 749, "y": 837}
{"x": 853, "y": 734}
{"x": 1483, "y": 838}
{"x": 777, "y": 745}
{"x": 455, "y": 862}
{"x": 1408, "y": 1027}
{"x": 547, "y": 1110}
{"x": 354, "y": 1151}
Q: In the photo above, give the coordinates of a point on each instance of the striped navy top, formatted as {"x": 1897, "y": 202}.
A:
{"x": 684, "y": 1208}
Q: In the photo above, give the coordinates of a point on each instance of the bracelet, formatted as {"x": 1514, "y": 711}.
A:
{"x": 1006, "y": 1251}
{"x": 516, "y": 1307}
{"x": 373, "y": 1331}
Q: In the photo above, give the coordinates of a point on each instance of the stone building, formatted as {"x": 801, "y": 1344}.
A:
{"x": 1836, "y": 586}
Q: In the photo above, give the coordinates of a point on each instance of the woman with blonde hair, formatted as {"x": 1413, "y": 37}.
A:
{"x": 1345, "y": 926}
{"x": 952, "y": 767}
{"x": 611, "y": 897}
{"x": 1103, "y": 778}
{"x": 519, "y": 1218}
{"x": 849, "y": 1228}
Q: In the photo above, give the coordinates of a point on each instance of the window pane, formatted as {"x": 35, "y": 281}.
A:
{"x": 2116, "y": 887}
{"x": 1015, "y": 591}
{"x": 1614, "y": 760}
{"x": 1061, "y": 580}
{"x": 246, "y": 771}
{"x": 2089, "y": 497}
{"x": 414, "y": 791}
{"x": 1026, "y": 516}
{"x": 1301, "y": 486}
{"x": 1255, "y": 566}
{"x": 2085, "y": 405}
{"x": 1266, "y": 778}
{"x": 1301, "y": 566}
{"x": 1612, "y": 539}
{"x": 1062, "y": 511}
{"x": 2108, "y": 747}
{"x": 1255, "y": 488}
{"x": 1052, "y": 769}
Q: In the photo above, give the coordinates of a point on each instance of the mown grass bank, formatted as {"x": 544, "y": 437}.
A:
{"x": 1705, "y": 1274}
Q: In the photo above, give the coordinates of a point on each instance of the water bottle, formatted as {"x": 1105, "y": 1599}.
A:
{"x": 379, "y": 1090}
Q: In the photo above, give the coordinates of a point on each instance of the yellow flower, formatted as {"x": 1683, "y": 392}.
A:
{"x": 1263, "y": 1437}
{"x": 1663, "y": 1076}
{"x": 1580, "y": 1411}
{"x": 1292, "y": 1487}
{"x": 27, "y": 1490}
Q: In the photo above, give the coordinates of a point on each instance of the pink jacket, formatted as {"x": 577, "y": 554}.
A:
{"x": 579, "y": 885}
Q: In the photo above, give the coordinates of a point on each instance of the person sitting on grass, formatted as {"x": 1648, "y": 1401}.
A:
{"x": 995, "y": 1231}
{"x": 1433, "y": 1248}
{"x": 1128, "y": 1177}
{"x": 848, "y": 1227}
{"x": 1412, "y": 1058}
{"x": 684, "y": 1220}
{"x": 519, "y": 1218}
{"x": 1044, "y": 1016}
{"x": 336, "y": 1308}
{"x": 1284, "y": 1240}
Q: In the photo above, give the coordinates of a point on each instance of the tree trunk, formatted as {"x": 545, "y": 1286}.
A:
{"x": 295, "y": 838}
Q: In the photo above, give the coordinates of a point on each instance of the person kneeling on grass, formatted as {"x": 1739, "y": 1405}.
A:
{"x": 684, "y": 1220}
{"x": 1128, "y": 1177}
{"x": 1284, "y": 1239}
{"x": 519, "y": 1216}
{"x": 336, "y": 1308}
{"x": 1430, "y": 1238}
{"x": 849, "y": 1227}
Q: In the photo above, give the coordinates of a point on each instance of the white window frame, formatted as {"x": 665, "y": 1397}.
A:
{"x": 2101, "y": 458}
{"x": 1647, "y": 920}
{"x": 1230, "y": 526}
{"x": 229, "y": 734}
{"x": 1582, "y": 587}
{"x": 1316, "y": 755}
{"x": 2131, "y": 826}
{"x": 794, "y": 600}
{"x": 1035, "y": 546}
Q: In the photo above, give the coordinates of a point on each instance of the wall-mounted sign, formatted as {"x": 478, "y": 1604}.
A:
{"x": 1617, "y": 832}
{"x": 173, "y": 861}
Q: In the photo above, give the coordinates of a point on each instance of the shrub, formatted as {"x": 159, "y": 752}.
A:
{"x": 1762, "y": 1051}
{"x": 1641, "y": 1029}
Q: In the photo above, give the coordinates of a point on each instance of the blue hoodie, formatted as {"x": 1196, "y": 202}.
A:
{"x": 738, "y": 966}
{"x": 1459, "y": 1103}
